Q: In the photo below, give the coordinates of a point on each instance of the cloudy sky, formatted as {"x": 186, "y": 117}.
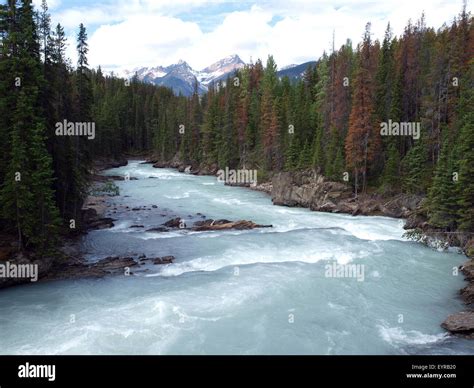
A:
{"x": 125, "y": 34}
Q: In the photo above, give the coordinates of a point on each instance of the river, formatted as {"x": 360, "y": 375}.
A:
{"x": 260, "y": 291}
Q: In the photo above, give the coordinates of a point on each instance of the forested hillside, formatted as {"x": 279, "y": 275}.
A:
{"x": 330, "y": 120}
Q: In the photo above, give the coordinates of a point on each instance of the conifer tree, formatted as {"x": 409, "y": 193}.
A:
{"x": 465, "y": 153}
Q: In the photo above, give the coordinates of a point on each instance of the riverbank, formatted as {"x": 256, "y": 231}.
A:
{"x": 65, "y": 262}
{"x": 309, "y": 189}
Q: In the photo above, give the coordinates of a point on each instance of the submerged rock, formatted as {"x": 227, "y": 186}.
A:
{"x": 157, "y": 229}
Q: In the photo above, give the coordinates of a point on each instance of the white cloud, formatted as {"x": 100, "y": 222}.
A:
{"x": 150, "y": 33}
{"x": 149, "y": 39}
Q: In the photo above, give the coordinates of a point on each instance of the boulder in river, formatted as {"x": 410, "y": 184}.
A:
{"x": 163, "y": 260}
{"x": 225, "y": 225}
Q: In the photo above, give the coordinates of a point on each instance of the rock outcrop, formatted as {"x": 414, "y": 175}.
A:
{"x": 308, "y": 189}
{"x": 312, "y": 190}
{"x": 461, "y": 324}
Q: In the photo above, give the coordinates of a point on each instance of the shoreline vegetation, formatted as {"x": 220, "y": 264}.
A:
{"x": 305, "y": 136}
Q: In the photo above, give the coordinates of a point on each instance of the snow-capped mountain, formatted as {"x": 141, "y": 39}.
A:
{"x": 220, "y": 69}
{"x": 182, "y": 78}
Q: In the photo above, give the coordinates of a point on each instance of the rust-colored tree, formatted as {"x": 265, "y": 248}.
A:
{"x": 363, "y": 137}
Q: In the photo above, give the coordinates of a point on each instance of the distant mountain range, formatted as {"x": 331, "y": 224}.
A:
{"x": 182, "y": 78}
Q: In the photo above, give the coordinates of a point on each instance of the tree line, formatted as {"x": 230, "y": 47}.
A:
{"x": 328, "y": 120}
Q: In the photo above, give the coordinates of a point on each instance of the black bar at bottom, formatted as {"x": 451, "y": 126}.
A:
{"x": 138, "y": 371}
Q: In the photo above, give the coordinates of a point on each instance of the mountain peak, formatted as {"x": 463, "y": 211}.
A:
{"x": 220, "y": 69}
{"x": 232, "y": 57}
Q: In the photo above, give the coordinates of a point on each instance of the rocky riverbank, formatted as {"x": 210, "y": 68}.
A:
{"x": 312, "y": 190}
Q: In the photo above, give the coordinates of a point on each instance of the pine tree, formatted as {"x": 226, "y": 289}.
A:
{"x": 413, "y": 169}
{"x": 17, "y": 198}
{"x": 338, "y": 167}
{"x": 46, "y": 212}
{"x": 45, "y": 31}
{"x": 466, "y": 155}
{"x": 318, "y": 150}
{"x": 442, "y": 202}
{"x": 81, "y": 158}
{"x": 268, "y": 116}
{"x": 384, "y": 77}
{"x": 292, "y": 154}
{"x": 304, "y": 161}
{"x": 83, "y": 80}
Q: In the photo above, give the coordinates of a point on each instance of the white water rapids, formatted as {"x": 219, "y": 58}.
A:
{"x": 261, "y": 291}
